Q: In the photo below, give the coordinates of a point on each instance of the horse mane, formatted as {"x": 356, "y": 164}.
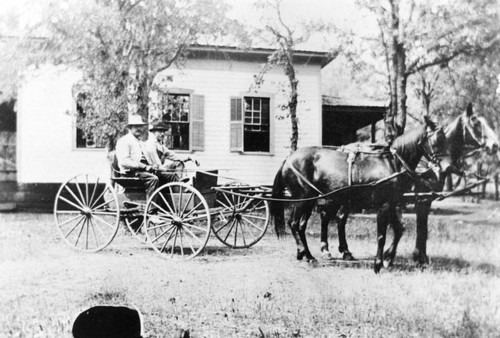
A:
{"x": 406, "y": 145}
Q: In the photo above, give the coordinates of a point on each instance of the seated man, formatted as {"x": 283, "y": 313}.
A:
{"x": 160, "y": 157}
{"x": 131, "y": 156}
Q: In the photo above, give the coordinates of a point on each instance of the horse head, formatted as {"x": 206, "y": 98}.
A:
{"x": 435, "y": 139}
{"x": 477, "y": 133}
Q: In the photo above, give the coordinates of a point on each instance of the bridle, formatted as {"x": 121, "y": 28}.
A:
{"x": 429, "y": 142}
{"x": 481, "y": 140}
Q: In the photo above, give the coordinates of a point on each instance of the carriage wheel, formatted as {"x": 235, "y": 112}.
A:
{"x": 242, "y": 221}
{"x": 177, "y": 221}
{"x": 87, "y": 216}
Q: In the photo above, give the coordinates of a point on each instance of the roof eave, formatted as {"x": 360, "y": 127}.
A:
{"x": 320, "y": 58}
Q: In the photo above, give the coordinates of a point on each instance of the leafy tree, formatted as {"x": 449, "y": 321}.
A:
{"x": 415, "y": 35}
{"x": 120, "y": 46}
{"x": 466, "y": 79}
{"x": 286, "y": 39}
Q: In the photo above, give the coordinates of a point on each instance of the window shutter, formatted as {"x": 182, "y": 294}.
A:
{"x": 236, "y": 142}
{"x": 198, "y": 123}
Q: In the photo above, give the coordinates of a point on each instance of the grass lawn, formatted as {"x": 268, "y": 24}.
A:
{"x": 262, "y": 291}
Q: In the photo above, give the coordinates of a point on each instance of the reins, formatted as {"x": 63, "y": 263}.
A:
{"x": 313, "y": 198}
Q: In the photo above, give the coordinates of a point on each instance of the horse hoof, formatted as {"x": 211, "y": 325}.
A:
{"x": 377, "y": 266}
{"x": 347, "y": 256}
{"x": 300, "y": 255}
{"x": 313, "y": 263}
{"x": 326, "y": 255}
{"x": 421, "y": 267}
{"x": 420, "y": 258}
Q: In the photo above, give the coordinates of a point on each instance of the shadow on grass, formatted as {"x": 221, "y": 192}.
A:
{"x": 208, "y": 252}
{"x": 405, "y": 264}
{"x": 446, "y": 264}
{"x": 225, "y": 251}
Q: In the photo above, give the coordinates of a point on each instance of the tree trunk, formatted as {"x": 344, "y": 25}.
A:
{"x": 400, "y": 117}
{"x": 294, "y": 140}
{"x": 142, "y": 95}
{"x": 395, "y": 119}
{"x": 392, "y": 113}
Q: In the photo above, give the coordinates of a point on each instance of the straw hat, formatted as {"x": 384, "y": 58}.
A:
{"x": 135, "y": 120}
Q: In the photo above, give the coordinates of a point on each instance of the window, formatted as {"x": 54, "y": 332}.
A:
{"x": 256, "y": 124}
{"x": 184, "y": 114}
{"x": 177, "y": 116}
{"x": 250, "y": 124}
{"x": 84, "y": 141}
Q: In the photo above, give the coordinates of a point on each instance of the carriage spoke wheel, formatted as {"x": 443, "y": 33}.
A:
{"x": 177, "y": 221}
{"x": 86, "y": 215}
{"x": 240, "y": 221}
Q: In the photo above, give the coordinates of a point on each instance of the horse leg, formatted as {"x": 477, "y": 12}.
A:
{"x": 341, "y": 222}
{"x": 326, "y": 215}
{"x": 397, "y": 227}
{"x": 306, "y": 211}
{"x": 293, "y": 222}
{"x": 382, "y": 221}
{"x": 422, "y": 210}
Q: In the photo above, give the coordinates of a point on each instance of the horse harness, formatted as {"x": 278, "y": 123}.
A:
{"x": 353, "y": 152}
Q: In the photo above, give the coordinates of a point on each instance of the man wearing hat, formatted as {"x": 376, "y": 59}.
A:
{"x": 160, "y": 157}
{"x": 131, "y": 157}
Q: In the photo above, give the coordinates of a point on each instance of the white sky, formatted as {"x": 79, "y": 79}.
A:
{"x": 296, "y": 10}
{"x": 343, "y": 13}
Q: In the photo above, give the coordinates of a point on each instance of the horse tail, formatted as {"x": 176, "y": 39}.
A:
{"x": 276, "y": 207}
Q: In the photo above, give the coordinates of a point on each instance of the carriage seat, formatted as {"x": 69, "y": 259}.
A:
{"x": 204, "y": 182}
{"x": 127, "y": 182}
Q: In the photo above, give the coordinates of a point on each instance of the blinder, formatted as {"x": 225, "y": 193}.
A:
{"x": 435, "y": 140}
{"x": 470, "y": 131}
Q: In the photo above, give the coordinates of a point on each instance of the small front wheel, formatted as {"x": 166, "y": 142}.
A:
{"x": 177, "y": 221}
{"x": 240, "y": 221}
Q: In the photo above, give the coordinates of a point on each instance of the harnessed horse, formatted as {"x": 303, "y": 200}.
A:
{"x": 369, "y": 179}
{"x": 465, "y": 135}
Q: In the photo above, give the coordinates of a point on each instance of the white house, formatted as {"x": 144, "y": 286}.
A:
{"x": 218, "y": 115}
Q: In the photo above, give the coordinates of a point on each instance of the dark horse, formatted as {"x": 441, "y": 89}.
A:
{"x": 464, "y": 135}
{"x": 365, "y": 179}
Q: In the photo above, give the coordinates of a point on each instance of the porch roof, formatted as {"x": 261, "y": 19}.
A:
{"x": 353, "y": 114}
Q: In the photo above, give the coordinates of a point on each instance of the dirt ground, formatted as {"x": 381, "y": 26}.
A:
{"x": 262, "y": 291}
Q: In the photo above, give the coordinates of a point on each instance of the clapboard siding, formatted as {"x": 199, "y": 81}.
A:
{"x": 46, "y": 135}
{"x": 46, "y": 149}
{"x": 218, "y": 83}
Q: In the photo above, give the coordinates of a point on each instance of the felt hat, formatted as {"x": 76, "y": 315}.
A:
{"x": 135, "y": 120}
{"x": 159, "y": 126}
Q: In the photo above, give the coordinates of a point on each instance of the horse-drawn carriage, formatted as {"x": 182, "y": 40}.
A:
{"x": 176, "y": 221}
{"x": 178, "y": 218}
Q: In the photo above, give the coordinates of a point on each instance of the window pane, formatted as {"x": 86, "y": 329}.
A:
{"x": 256, "y": 104}
{"x": 248, "y": 104}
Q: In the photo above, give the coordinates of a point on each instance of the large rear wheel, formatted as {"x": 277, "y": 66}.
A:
{"x": 177, "y": 221}
{"x": 86, "y": 213}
